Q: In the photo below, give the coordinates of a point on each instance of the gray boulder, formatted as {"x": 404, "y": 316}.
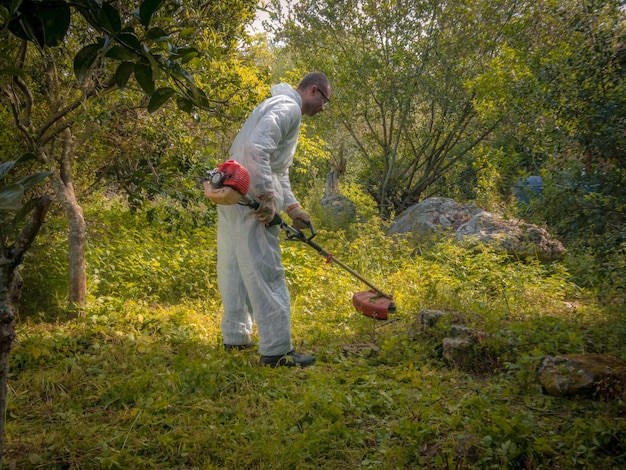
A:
{"x": 468, "y": 222}
{"x": 338, "y": 209}
{"x": 587, "y": 375}
{"x": 511, "y": 236}
{"x": 433, "y": 215}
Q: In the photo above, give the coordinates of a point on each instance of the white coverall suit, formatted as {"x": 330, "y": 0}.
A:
{"x": 250, "y": 274}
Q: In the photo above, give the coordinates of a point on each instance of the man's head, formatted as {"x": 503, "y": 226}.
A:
{"x": 315, "y": 92}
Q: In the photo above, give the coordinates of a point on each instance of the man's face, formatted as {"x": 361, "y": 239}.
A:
{"x": 315, "y": 100}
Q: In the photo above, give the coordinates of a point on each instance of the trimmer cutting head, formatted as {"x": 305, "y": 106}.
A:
{"x": 373, "y": 304}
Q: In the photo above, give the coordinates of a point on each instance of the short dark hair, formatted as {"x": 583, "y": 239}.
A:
{"x": 314, "y": 78}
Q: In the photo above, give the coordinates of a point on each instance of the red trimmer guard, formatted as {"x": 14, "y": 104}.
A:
{"x": 373, "y": 304}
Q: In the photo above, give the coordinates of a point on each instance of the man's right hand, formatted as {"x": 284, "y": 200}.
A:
{"x": 266, "y": 211}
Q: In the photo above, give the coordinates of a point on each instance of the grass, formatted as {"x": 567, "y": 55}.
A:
{"x": 143, "y": 382}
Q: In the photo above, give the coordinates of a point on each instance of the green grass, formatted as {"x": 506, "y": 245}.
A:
{"x": 143, "y": 382}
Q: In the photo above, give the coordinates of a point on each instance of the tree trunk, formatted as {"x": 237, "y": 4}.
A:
{"x": 64, "y": 188}
{"x": 76, "y": 241}
{"x": 7, "y": 336}
{"x": 10, "y": 260}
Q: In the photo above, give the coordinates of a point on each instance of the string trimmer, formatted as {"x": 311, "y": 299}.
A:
{"x": 229, "y": 183}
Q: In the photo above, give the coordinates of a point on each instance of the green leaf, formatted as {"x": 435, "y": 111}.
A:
{"x": 24, "y": 211}
{"x": 109, "y": 18}
{"x": 159, "y": 97}
{"x": 122, "y": 74}
{"x": 6, "y": 166}
{"x": 143, "y": 75}
{"x": 84, "y": 60}
{"x": 147, "y": 10}
{"x": 130, "y": 40}
{"x": 119, "y": 53}
{"x": 187, "y": 32}
{"x": 55, "y": 21}
{"x": 4, "y": 13}
{"x": 11, "y": 197}
{"x": 29, "y": 27}
{"x": 32, "y": 180}
{"x": 157, "y": 33}
{"x": 184, "y": 104}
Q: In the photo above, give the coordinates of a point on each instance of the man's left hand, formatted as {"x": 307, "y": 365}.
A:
{"x": 300, "y": 219}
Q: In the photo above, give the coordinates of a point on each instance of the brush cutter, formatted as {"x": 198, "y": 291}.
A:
{"x": 229, "y": 183}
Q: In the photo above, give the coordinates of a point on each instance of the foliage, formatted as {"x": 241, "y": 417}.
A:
{"x": 142, "y": 380}
{"x": 13, "y": 207}
{"x": 402, "y": 75}
{"x": 144, "y": 45}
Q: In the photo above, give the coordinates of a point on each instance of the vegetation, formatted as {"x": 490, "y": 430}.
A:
{"x": 456, "y": 98}
{"x": 143, "y": 382}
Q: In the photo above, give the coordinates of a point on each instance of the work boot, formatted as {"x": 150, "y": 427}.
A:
{"x": 291, "y": 359}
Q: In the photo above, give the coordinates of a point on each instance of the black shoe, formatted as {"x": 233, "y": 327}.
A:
{"x": 238, "y": 347}
{"x": 291, "y": 359}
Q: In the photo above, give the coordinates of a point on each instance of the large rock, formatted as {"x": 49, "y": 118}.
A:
{"x": 512, "y": 236}
{"x": 339, "y": 210}
{"x": 583, "y": 375}
{"x": 468, "y": 222}
{"x": 433, "y": 215}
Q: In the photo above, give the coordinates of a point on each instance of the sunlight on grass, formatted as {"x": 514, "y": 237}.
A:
{"x": 142, "y": 381}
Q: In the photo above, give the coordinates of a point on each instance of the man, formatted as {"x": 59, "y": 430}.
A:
{"x": 250, "y": 274}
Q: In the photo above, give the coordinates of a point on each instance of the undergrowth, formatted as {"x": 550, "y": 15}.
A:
{"x": 142, "y": 381}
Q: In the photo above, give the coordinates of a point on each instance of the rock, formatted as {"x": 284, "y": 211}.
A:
{"x": 462, "y": 349}
{"x": 512, "y": 236}
{"x": 338, "y": 210}
{"x": 468, "y": 222}
{"x": 583, "y": 375}
{"x": 429, "y": 318}
{"x": 460, "y": 352}
{"x": 433, "y": 215}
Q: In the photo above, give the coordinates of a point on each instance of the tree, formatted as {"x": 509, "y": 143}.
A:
{"x": 48, "y": 76}
{"x": 402, "y": 74}
{"x": 47, "y": 99}
{"x": 20, "y": 222}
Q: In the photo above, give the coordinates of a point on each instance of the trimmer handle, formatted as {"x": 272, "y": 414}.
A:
{"x": 295, "y": 234}
{"x": 254, "y": 204}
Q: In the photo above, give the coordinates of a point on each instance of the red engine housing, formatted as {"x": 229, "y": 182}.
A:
{"x": 373, "y": 304}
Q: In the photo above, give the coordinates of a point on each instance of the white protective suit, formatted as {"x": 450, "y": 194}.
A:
{"x": 250, "y": 274}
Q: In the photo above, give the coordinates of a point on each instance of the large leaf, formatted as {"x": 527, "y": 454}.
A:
{"x": 129, "y": 39}
{"x": 29, "y": 27}
{"x": 23, "y": 211}
{"x": 84, "y": 60}
{"x": 43, "y": 23}
{"x": 143, "y": 75}
{"x": 184, "y": 104}
{"x": 159, "y": 97}
{"x": 11, "y": 197}
{"x": 55, "y": 21}
{"x": 122, "y": 74}
{"x": 147, "y": 10}
{"x": 33, "y": 180}
{"x": 119, "y": 53}
{"x": 6, "y": 166}
{"x": 157, "y": 33}
{"x": 109, "y": 18}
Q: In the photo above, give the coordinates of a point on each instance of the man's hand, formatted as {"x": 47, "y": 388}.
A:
{"x": 300, "y": 219}
{"x": 265, "y": 212}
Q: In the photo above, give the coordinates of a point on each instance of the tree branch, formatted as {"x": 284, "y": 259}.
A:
{"x": 28, "y": 235}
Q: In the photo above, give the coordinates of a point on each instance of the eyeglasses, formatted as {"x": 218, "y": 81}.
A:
{"x": 326, "y": 98}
